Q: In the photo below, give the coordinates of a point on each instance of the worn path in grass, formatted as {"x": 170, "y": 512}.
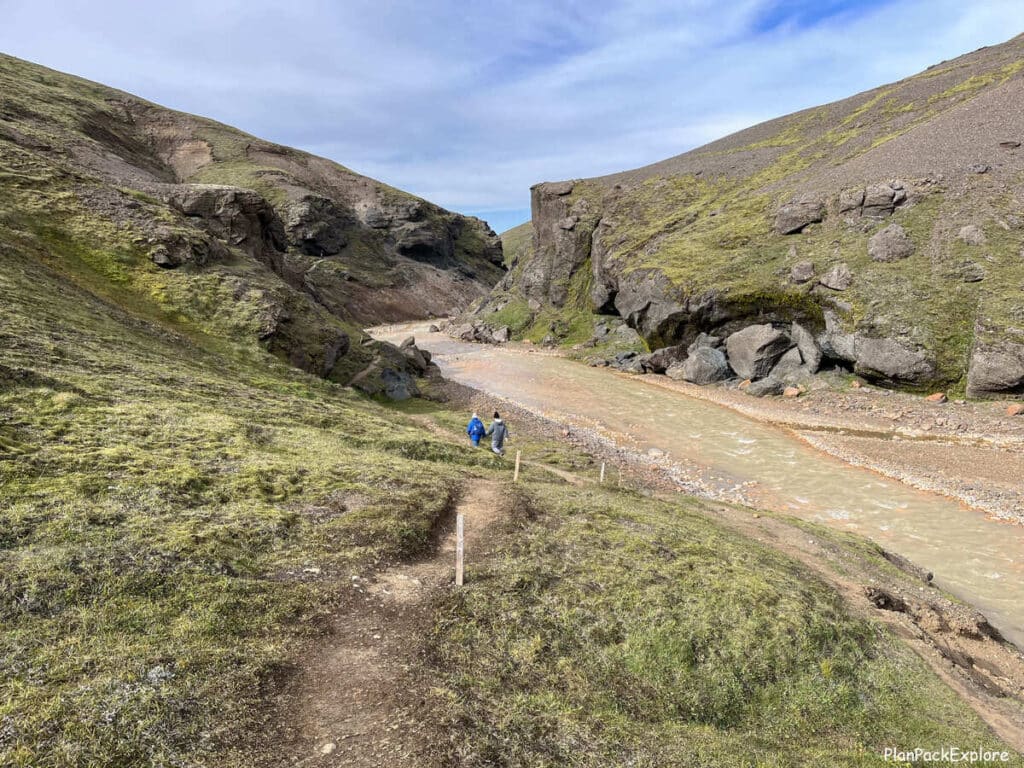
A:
{"x": 359, "y": 698}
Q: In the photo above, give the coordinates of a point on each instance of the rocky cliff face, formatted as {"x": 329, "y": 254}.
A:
{"x": 222, "y": 232}
{"x": 889, "y": 226}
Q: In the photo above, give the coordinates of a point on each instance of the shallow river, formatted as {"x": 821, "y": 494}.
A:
{"x": 973, "y": 557}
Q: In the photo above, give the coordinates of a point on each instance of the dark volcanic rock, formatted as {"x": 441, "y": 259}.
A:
{"x": 890, "y": 244}
{"x": 662, "y": 359}
{"x": 172, "y": 249}
{"x": 704, "y": 340}
{"x": 239, "y": 217}
{"x": 705, "y": 366}
{"x": 755, "y": 350}
{"x": 318, "y": 226}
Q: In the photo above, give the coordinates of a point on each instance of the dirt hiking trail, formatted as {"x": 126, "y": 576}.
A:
{"x": 359, "y": 697}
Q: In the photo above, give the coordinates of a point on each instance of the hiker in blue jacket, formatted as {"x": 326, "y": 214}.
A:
{"x": 498, "y": 433}
{"x": 475, "y": 430}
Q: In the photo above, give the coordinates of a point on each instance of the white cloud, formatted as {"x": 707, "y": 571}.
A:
{"x": 468, "y": 104}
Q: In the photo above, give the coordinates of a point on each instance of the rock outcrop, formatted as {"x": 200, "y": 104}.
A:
{"x": 864, "y": 222}
{"x": 796, "y": 215}
{"x": 243, "y": 238}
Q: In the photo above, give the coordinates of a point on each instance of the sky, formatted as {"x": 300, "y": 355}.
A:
{"x": 470, "y": 102}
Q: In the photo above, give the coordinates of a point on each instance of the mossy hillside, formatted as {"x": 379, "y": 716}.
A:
{"x": 231, "y": 303}
{"x": 708, "y": 236}
{"x": 58, "y": 128}
{"x": 173, "y": 520}
{"x": 711, "y": 230}
{"x": 619, "y": 630}
{"x": 515, "y": 313}
{"x": 516, "y": 243}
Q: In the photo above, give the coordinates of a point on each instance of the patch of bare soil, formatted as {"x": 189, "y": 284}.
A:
{"x": 359, "y": 698}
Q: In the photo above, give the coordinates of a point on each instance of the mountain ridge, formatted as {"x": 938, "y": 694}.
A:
{"x": 705, "y": 242}
{"x": 214, "y": 228}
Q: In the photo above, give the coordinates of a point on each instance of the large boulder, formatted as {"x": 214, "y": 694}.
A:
{"x": 754, "y": 350}
{"x": 891, "y": 360}
{"x": 705, "y": 366}
{"x": 810, "y": 351}
{"x": 835, "y": 341}
{"x": 398, "y": 385}
{"x": 851, "y": 199}
{"x": 704, "y": 340}
{"x": 174, "y": 248}
{"x": 881, "y": 199}
{"x": 802, "y": 272}
{"x": 996, "y": 369}
{"x": 794, "y": 216}
{"x": 890, "y": 244}
{"x": 418, "y": 358}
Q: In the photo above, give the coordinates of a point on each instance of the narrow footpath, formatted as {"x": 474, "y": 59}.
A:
{"x": 358, "y": 699}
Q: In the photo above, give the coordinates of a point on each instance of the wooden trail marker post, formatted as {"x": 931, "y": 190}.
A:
{"x": 515, "y": 475}
{"x": 460, "y": 548}
{"x": 602, "y": 473}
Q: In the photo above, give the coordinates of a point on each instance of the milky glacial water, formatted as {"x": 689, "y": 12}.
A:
{"x": 978, "y": 559}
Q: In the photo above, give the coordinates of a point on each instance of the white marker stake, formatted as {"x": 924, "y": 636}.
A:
{"x": 460, "y": 546}
{"x": 515, "y": 475}
{"x": 602, "y": 473}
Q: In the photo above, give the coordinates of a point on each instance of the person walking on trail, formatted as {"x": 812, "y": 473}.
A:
{"x": 475, "y": 429}
{"x": 498, "y": 433}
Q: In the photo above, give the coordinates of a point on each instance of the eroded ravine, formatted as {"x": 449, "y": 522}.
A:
{"x": 977, "y": 559}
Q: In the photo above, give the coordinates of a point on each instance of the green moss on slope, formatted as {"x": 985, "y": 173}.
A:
{"x": 162, "y": 502}
{"x": 617, "y": 630}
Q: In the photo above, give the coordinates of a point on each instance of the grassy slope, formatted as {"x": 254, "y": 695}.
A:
{"x": 516, "y": 243}
{"x": 162, "y": 499}
{"x": 45, "y": 115}
{"x": 159, "y": 501}
{"x": 616, "y": 630}
{"x": 713, "y": 231}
